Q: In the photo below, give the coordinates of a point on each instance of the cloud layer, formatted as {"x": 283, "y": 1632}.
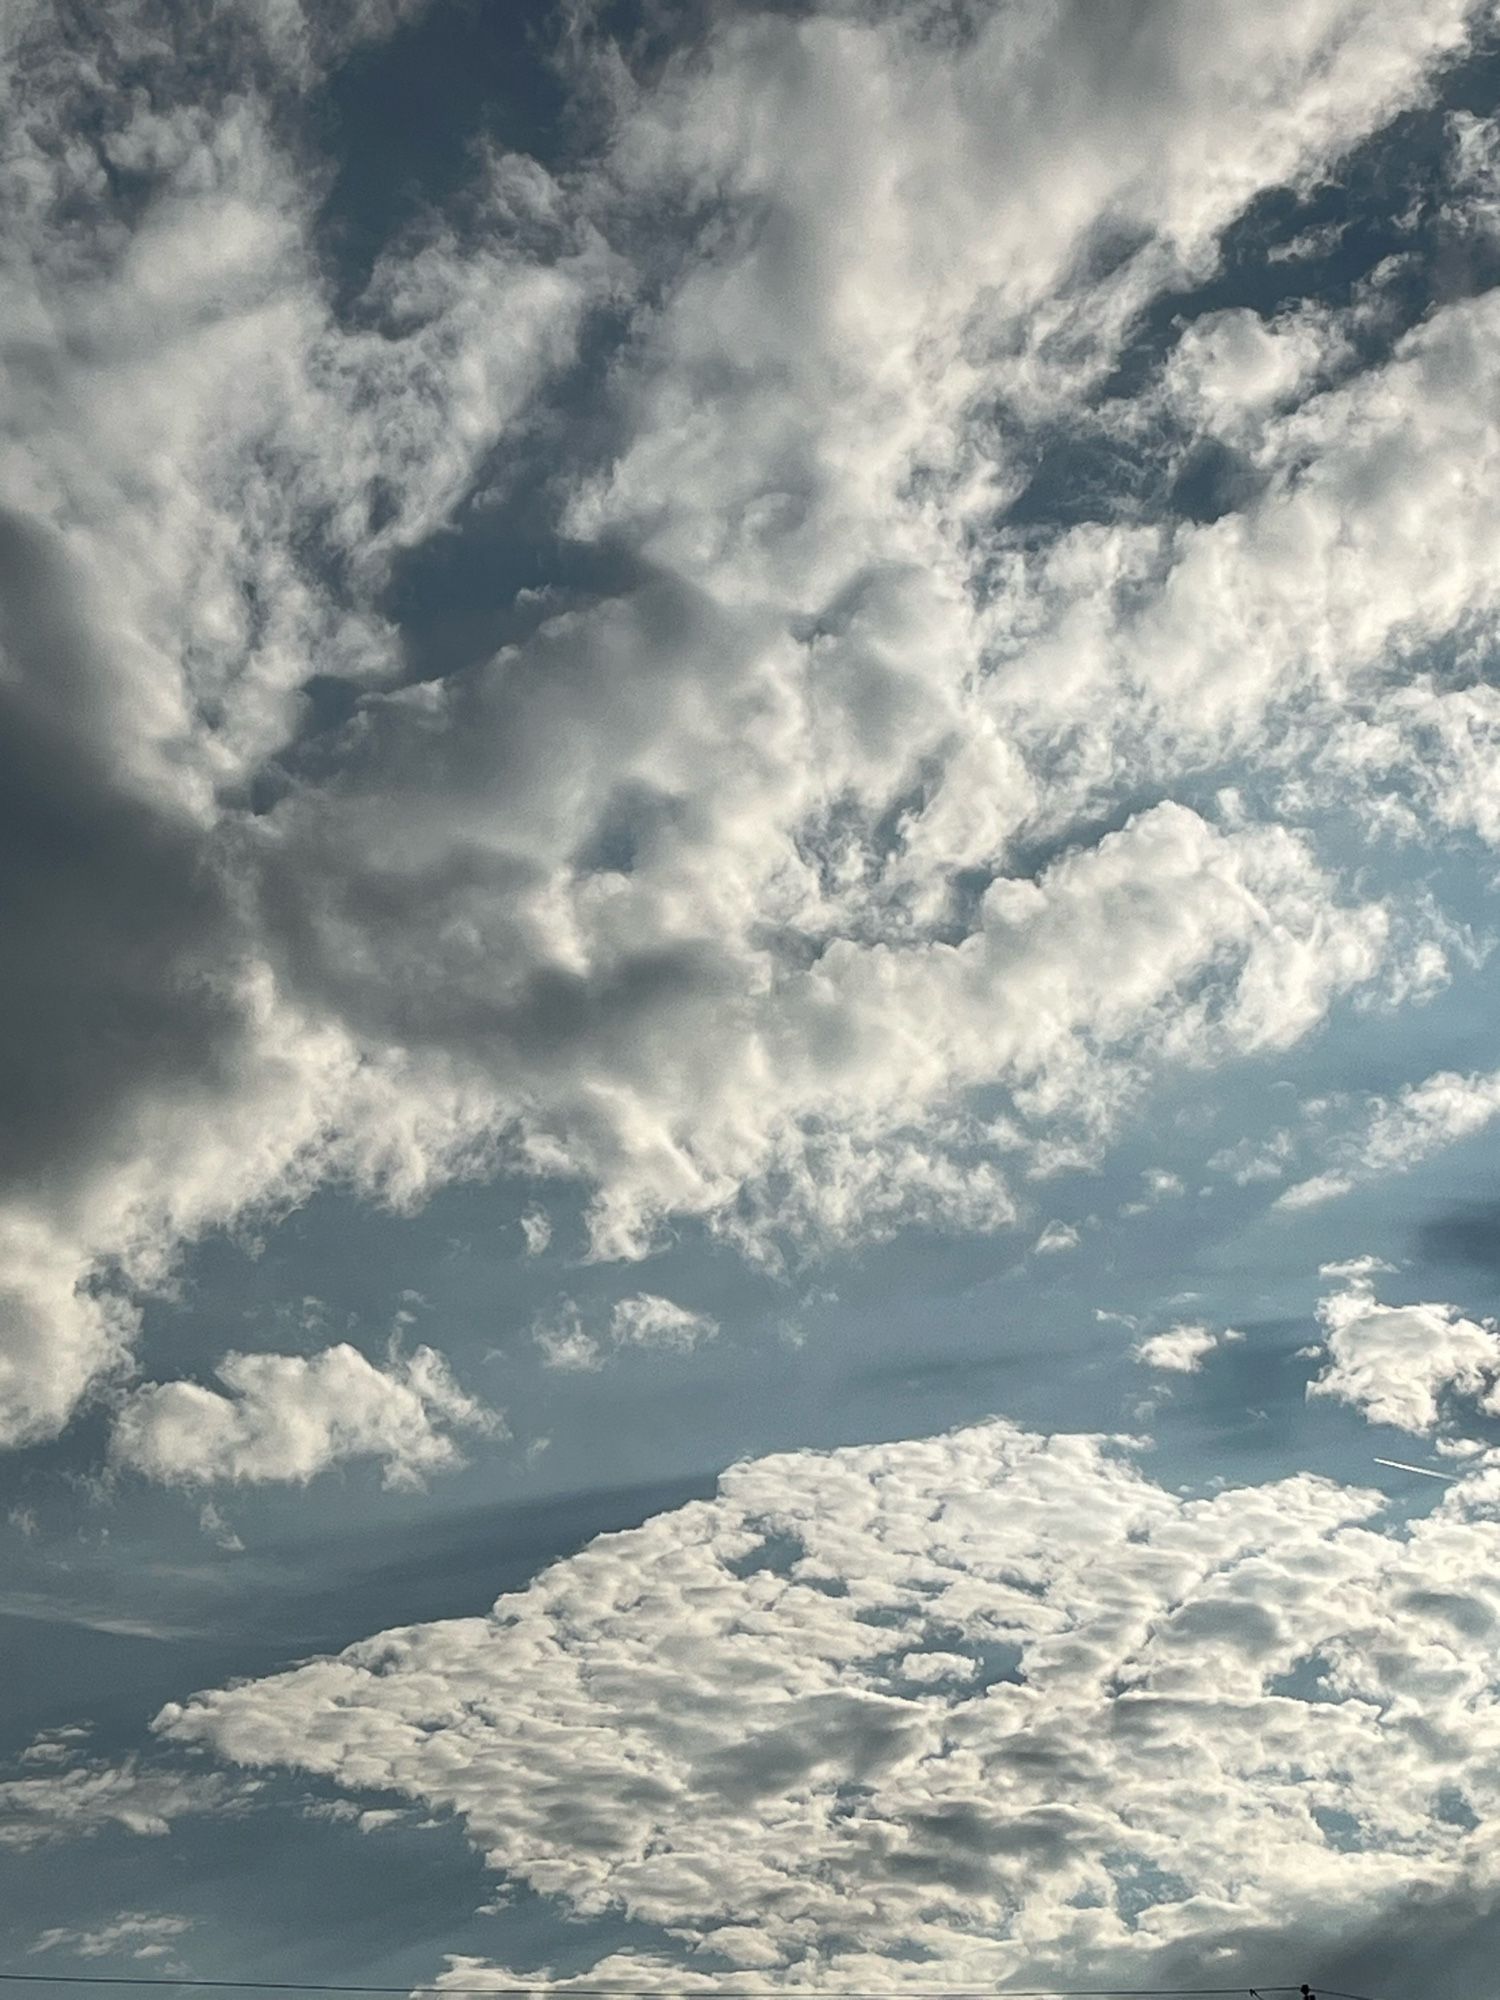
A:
{"x": 979, "y": 1706}
{"x": 825, "y": 862}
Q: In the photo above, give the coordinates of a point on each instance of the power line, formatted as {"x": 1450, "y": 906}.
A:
{"x": 513, "y": 1992}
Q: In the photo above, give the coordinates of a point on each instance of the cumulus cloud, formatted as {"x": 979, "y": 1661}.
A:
{"x": 991, "y": 1704}
{"x": 1356, "y": 1269}
{"x": 1398, "y": 1364}
{"x": 645, "y": 1320}
{"x": 1231, "y": 368}
{"x": 536, "y": 1231}
{"x": 650, "y": 1321}
{"x": 289, "y": 1417}
{"x": 712, "y": 886}
{"x": 1182, "y": 1350}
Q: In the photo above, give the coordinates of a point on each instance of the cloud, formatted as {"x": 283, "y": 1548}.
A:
{"x": 1314, "y": 1191}
{"x": 648, "y": 1320}
{"x": 564, "y": 1342}
{"x": 1056, "y": 1237}
{"x": 1182, "y": 1350}
{"x": 711, "y": 884}
{"x": 133, "y": 1934}
{"x": 1149, "y": 1730}
{"x": 92, "y": 1797}
{"x": 289, "y": 1417}
{"x": 1355, "y": 1268}
{"x": 1231, "y": 368}
{"x": 1402, "y": 1132}
{"x": 644, "y": 1320}
{"x": 536, "y": 1230}
{"x": 1395, "y": 1363}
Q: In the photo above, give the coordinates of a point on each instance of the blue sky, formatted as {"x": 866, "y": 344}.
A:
{"x": 750, "y": 815}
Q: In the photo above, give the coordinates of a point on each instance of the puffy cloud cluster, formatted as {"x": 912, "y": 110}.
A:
{"x": 290, "y": 1417}
{"x": 1399, "y": 1364}
{"x": 709, "y": 888}
{"x": 968, "y": 1708}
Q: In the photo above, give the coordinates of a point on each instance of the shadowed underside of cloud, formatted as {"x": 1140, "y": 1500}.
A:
{"x": 1005, "y": 1709}
{"x": 707, "y": 893}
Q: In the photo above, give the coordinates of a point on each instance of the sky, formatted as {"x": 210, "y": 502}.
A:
{"x": 749, "y": 1100}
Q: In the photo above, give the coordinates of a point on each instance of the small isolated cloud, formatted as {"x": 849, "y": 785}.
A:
{"x": 1182, "y": 1350}
{"x": 1397, "y": 1364}
{"x": 132, "y": 1934}
{"x": 536, "y": 1229}
{"x": 1251, "y": 1160}
{"x": 646, "y": 1320}
{"x": 1312, "y": 1193}
{"x": 1355, "y": 1268}
{"x": 288, "y": 1417}
{"x": 1056, "y": 1237}
{"x": 564, "y": 1342}
{"x": 212, "y": 1523}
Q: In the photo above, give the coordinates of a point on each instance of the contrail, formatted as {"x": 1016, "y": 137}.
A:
{"x": 1427, "y": 1472}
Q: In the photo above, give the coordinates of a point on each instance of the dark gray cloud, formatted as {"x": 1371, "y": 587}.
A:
{"x": 120, "y": 935}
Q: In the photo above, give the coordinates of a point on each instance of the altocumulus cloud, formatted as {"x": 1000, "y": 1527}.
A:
{"x": 967, "y": 1706}
{"x": 708, "y": 892}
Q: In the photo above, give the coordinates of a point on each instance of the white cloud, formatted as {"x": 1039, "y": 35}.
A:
{"x": 291, "y": 1417}
{"x": 1056, "y": 1237}
{"x": 1315, "y": 1190}
{"x": 536, "y": 1231}
{"x": 86, "y": 1800}
{"x": 1355, "y": 1268}
{"x": 1250, "y": 1160}
{"x": 1400, "y": 1133}
{"x": 1428, "y": 1116}
{"x": 1395, "y": 1363}
{"x": 132, "y": 1934}
{"x": 1182, "y": 1350}
{"x": 56, "y": 1746}
{"x": 564, "y": 1342}
{"x": 674, "y": 895}
{"x": 644, "y": 1320}
{"x": 212, "y": 1523}
{"x": 648, "y": 1320}
{"x": 1206, "y": 1694}
{"x": 1231, "y": 369}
